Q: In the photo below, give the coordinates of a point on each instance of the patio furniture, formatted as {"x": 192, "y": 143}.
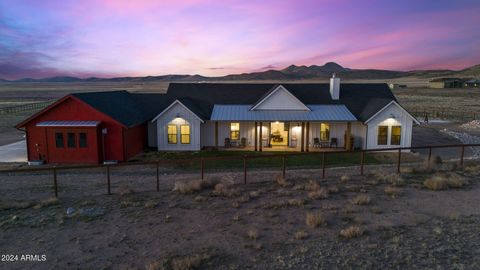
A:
{"x": 243, "y": 142}
{"x": 316, "y": 143}
{"x": 227, "y": 143}
{"x": 333, "y": 142}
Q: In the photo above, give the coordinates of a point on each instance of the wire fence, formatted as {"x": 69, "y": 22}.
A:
{"x": 422, "y": 114}
{"x": 83, "y": 180}
{"x": 25, "y": 107}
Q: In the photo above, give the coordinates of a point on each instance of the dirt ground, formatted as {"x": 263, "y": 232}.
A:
{"x": 395, "y": 222}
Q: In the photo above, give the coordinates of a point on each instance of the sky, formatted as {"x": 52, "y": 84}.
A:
{"x": 112, "y": 38}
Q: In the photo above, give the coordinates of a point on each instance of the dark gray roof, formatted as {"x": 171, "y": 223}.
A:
{"x": 120, "y": 105}
{"x": 363, "y": 100}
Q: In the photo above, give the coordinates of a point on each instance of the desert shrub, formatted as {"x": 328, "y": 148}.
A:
{"x": 14, "y": 205}
{"x": 252, "y": 234}
{"x": 48, "y": 202}
{"x": 296, "y": 202}
{"x": 254, "y": 194}
{"x": 392, "y": 191}
{"x": 434, "y": 163}
{"x": 472, "y": 169}
{"x": 188, "y": 187}
{"x": 125, "y": 190}
{"x": 200, "y": 198}
{"x": 281, "y": 181}
{"x": 321, "y": 193}
{"x": 315, "y": 219}
{"x": 351, "y": 232}
{"x": 444, "y": 181}
{"x": 225, "y": 189}
{"x": 189, "y": 262}
{"x": 300, "y": 235}
{"x": 150, "y": 204}
{"x": 361, "y": 199}
{"x": 312, "y": 185}
{"x": 333, "y": 189}
{"x": 344, "y": 179}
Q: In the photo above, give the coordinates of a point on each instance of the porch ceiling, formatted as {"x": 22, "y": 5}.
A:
{"x": 317, "y": 113}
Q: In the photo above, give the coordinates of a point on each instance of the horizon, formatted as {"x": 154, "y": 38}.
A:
{"x": 107, "y": 39}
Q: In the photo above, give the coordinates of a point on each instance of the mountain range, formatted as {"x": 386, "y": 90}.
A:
{"x": 292, "y": 72}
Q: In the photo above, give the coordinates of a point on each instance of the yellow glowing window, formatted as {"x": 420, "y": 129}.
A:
{"x": 234, "y": 131}
{"x": 185, "y": 134}
{"x": 382, "y": 135}
{"x": 324, "y": 132}
{"x": 396, "y": 135}
{"x": 172, "y": 134}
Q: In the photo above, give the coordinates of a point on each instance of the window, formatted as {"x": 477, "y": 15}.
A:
{"x": 82, "y": 140}
{"x": 382, "y": 135}
{"x": 185, "y": 134}
{"x": 234, "y": 131}
{"x": 172, "y": 134}
{"x": 59, "y": 140}
{"x": 396, "y": 135}
{"x": 324, "y": 132}
{"x": 71, "y": 140}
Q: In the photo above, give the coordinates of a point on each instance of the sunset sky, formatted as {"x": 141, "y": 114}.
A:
{"x": 142, "y": 37}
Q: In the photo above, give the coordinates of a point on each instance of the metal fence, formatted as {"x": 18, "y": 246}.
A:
{"x": 245, "y": 160}
{"x": 445, "y": 114}
{"x": 25, "y": 107}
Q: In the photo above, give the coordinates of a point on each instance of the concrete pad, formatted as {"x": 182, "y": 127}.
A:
{"x": 14, "y": 152}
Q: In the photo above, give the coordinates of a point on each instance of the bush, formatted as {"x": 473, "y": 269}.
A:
{"x": 444, "y": 181}
{"x": 321, "y": 193}
{"x": 315, "y": 219}
{"x": 361, "y": 199}
{"x": 351, "y": 232}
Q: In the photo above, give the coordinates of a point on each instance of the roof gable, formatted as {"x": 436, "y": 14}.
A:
{"x": 279, "y": 98}
{"x": 179, "y": 103}
{"x": 393, "y": 103}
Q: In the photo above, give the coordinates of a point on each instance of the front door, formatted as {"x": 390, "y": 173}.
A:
{"x": 279, "y": 134}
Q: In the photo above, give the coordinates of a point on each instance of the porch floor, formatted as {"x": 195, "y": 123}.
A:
{"x": 282, "y": 149}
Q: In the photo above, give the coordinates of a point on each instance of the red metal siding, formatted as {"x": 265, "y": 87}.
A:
{"x": 135, "y": 140}
{"x": 73, "y": 109}
{"x": 89, "y": 154}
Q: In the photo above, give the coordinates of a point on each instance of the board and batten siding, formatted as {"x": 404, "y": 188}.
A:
{"x": 392, "y": 115}
{"x": 178, "y": 115}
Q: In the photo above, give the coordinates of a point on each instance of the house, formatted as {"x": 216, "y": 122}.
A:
{"x": 195, "y": 116}
{"x": 446, "y": 83}
{"x": 472, "y": 83}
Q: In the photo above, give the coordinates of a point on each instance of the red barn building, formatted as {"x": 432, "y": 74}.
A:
{"x": 87, "y": 128}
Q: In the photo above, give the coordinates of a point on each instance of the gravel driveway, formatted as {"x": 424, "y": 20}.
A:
{"x": 14, "y": 152}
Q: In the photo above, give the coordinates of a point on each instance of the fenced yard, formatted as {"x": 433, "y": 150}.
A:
{"x": 88, "y": 180}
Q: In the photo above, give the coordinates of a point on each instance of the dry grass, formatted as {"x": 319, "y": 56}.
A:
{"x": 189, "y": 262}
{"x": 188, "y": 187}
{"x": 444, "y": 181}
{"x": 322, "y": 193}
{"x": 14, "y": 205}
{"x": 300, "y": 235}
{"x": 315, "y": 219}
{"x": 361, "y": 199}
{"x": 344, "y": 179}
{"x": 351, "y": 232}
{"x": 125, "y": 190}
{"x": 150, "y": 204}
{"x": 312, "y": 186}
{"x": 252, "y": 234}
{"x": 281, "y": 181}
{"x": 472, "y": 169}
{"x": 48, "y": 202}
{"x": 225, "y": 189}
{"x": 392, "y": 191}
{"x": 333, "y": 189}
{"x": 296, "y": 202}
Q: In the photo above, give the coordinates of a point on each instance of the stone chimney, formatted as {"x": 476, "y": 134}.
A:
{"x": 335, "y": 87}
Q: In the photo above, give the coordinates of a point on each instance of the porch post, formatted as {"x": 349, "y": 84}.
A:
{"x": 348, "y": 140}
{"x": 261, "y": 136}
{"x": 216, "y": 134}
{"x": 308, "y": 136}
{"x": 256, "y": 136}
{"x": 302, "y": 149}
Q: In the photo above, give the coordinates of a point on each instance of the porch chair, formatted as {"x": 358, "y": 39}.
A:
{"x": 243, "y": 142}
{"x": 227, "y": 143}
{"x": 316, "y": 143}
{"x": 334, "y": 141}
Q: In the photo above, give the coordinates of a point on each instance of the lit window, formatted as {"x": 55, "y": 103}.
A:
{"x": 82, "y": 140}
{"x": 324, "y": 132}
{"x": 59, "y": 140}
{"x": 382, "y": 135}
{"x": 234, "y": 131}
{"x": 185, "y": 134}
{"x": 172, "y": 134}
{"x": 396, "y": 135}
{"x": 71, "y": 140}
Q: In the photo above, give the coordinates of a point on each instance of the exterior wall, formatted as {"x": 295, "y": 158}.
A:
{"x": 437, "y": 85}
{"x": 135, "y": 140}
{"x": 337, "y": 130}
{"x": 152, "y": 134}
{"x": 68, "y": 110}
{"x": 178, "y": 115}
{"x": 385, "y": 118}
{"x": 89, "y": 154}
{"x": 247, "y": 130}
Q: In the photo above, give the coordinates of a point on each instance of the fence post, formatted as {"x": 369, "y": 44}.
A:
{"x": 108, "y": 180}
{"x": 461, "y": 155}
{"x": 362, "y": 156}
{"x": 323, "y": 164}
{"x": 202, "y": 166}
{"x": 245, "y": 169}
{"x": 429, "y": 155}
{"x": 399, "y": 159}
{"x": 283, "y": 166}
{"x": 158, "y": 176}
{"x": 55, "y": 185}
